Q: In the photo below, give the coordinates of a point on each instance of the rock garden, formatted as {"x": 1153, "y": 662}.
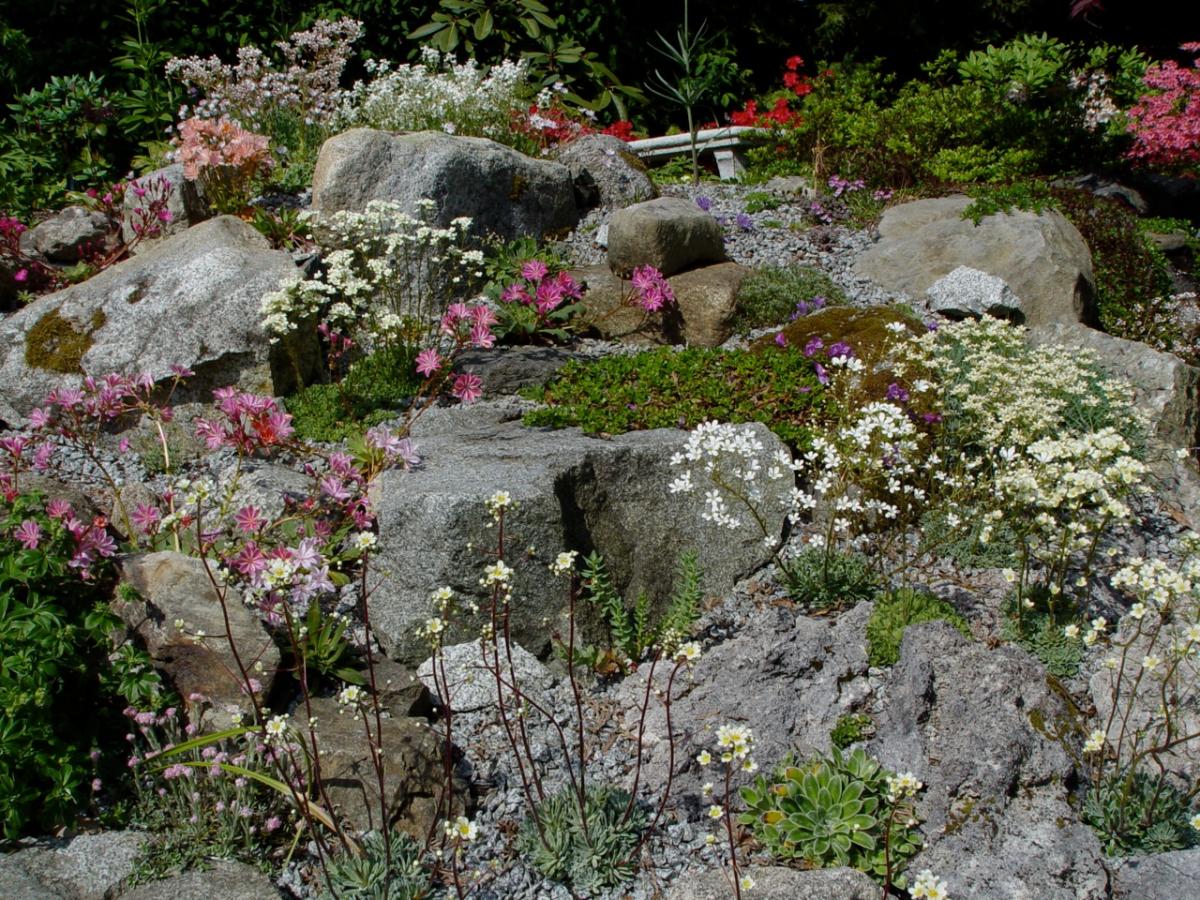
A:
{"x": 409, "y": 493}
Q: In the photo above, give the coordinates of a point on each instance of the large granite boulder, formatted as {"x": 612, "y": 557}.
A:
{"x": 975, "y": 725}
{"x": 1041, "y": 257}
{"x": 1163, "y": 876}
{"x": 197, "y": 659}
{"x": 573, "y": 492}
{"x": 756, "y": 677}
{"x": 706, "y": 303}
{"x": 669, "y": 233}
{"x": 606, "y": 172}
{"x": 1165, "y": 387}
{"x": 502, "y": 191}
{"x": 192, "y": 300}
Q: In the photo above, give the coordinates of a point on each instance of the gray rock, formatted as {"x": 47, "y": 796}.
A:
{"x": 506, "y": 370}
{"x": 1165, "y": 387}
{"x": 791, "y": 186}
{"x": 606, "y": 172}
{"x": 1034, "y": 848}
{"x": 470, "y": 684}
{"x": 64, "y": 236}
{"x": 173, "y": 586}
{"x": 503, "y": 192}
{"x": 85, "y": 867}
{"x": 192, "y": 300}
{"x": 227, "y": 879}
{"x": 412, "y": 765}
{"x": 669, "y": 233}
{"x": 756, "y": 678}
{"x": 1041, "y": 257}
{"x": 185, "y": 202}
{"x": 706, "y": 302}
{"x": 967, "y": 292}
{"x": 1164, "y": 876}
{"x": 778, "y": 883}
{"x": 265, "y": 484}
{"x": 1112, "y": 190}
{"x": 401, "y": 693}
{"x": 939, "y": 693}
{"x": 575, "y": 492}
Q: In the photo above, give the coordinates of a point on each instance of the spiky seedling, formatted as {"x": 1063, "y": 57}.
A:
{"x": 588, "y": 862}
{"x": 368, "y": 877}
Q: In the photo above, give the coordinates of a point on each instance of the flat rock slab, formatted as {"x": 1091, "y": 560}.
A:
{"x": 1164, "y": 876}
{"x": 573, "y": 492}
{"x": 669, "y": 233}
{"x": 191, "y": 300}
{"x": 226, "y": 880}
{"x": 1041, "y": 257}
{"x": 777, "y": 882}
{"x": 85, "y": 867}
{"x": 502, "y": 191}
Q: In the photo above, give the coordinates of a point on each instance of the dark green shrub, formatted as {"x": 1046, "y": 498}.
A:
{"x": 373, "y": 390}
{"x": 895, "y": 611}
{"x": 769, "y": 296}
{"x": 1137, "y": 813}
{"x": 591, "y": 862}
{"x": 55, "y": 663}
{"x": 832, "y": 811}
{"x": 680, "y": 389}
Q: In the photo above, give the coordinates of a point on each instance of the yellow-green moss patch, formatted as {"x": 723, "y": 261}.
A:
{"x": 55, "y": 344}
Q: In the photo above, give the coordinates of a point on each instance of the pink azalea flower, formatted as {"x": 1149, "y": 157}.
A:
{"x": 428, "y": 362}
{"x": 29, "y": 533}
{"x": 467, "y": 387}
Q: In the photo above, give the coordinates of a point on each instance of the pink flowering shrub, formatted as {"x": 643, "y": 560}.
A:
{"x": 225, "y": 158}
{"x": 1166, "y": 122}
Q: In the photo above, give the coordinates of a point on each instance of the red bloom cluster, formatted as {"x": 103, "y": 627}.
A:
{"x": 252, "y": 422}
{"x": 780, "y": 115}
{"x": 555, "y": 124}
{"x": 1166, "y": 124}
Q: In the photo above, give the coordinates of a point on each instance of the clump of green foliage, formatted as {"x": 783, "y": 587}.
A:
{"x": 587, "y": 861}
{"x": 823, "y": 579}
{"x": 369, "y": 877}
{"x": 850, "y": 729}
{"x": 1136, "y": 813}
{"x": 665, "y": 388}
{"x": 760, "y": 201}
{"x": 832, "y": 811}
{"x": 57, "y": 658}
{"x": 1029, "y": 195}
{"x": 969, "y": 550}
{"x": 895, "y": 611}
{"x": 374, "y": 388}
{"x": 632, "y": 630}
{"x": 1040, "y": 631}
{"x": 769, "y": 295}
{"x": 323, "y": 648}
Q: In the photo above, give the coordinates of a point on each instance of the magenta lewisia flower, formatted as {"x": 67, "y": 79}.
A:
{"x": 428, "y": 362}
{"x": 467, "y": 387}
{"x": 29, "y": 533}
{"x": 534, "y": 270}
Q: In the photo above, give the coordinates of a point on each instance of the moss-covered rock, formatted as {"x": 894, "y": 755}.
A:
{"x": 56, "y": 344}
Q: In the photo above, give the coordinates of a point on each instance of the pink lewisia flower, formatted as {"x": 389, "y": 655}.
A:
{"x": 21, "y": 275}
{"x": 29, "y": 533}
{"x": 481, "y": 337}
{"x": 58, "y": 508}
{"x": 39, "y": 418}
{"x": 534, "y": 270}
{"x": 515, "y": 293}
{"x": 428, "y": 362}
{"x": 482, "y": 314}
{"x": 467, "y": 387}
{"x": 249, "y": 519}
{"x": 146, "y": 517}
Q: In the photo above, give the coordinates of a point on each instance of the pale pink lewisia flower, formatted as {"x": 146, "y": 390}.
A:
{"x": 29, "y": 533}
{"x": 467, "y": 387}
